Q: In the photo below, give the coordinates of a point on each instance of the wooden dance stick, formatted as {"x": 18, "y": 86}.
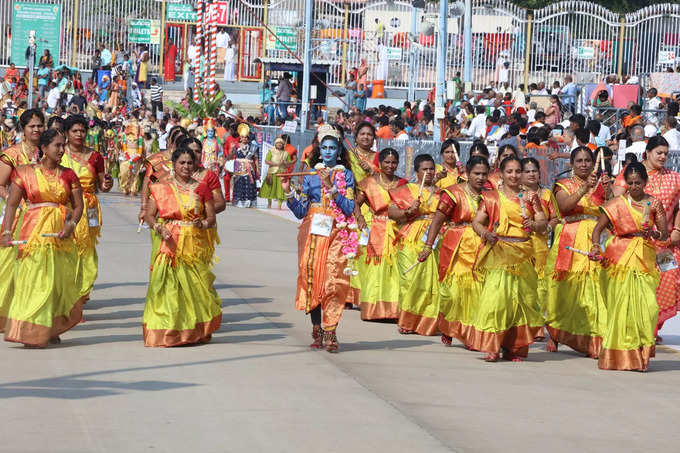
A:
{"x": 422, "y": 184}
{"x": 581, "y": 252}
{"x": 602, "y": 167}
{"x": 597, "y": 162}
{"x": 14, "y": 243}
{"x": 139, "y": 227}
{"x": 50, "y": 235}
{"x": 295, "y": 173}
{"x": 410, "y": 268}
{"x": 197, "y": 209}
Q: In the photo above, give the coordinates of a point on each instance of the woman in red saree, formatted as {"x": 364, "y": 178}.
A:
{"x": 169, "y": 63}
{"x": 46, "y": 301}
{"x": 663, "y": 185}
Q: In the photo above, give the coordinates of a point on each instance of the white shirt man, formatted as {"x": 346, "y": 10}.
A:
{"x": 477, "y": 127}
{"x": 222, "y": 41}
{"x": 53, "y": 97}
{"x": 672, "y": 136}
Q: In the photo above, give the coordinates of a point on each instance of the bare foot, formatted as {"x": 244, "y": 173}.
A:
{"x": 403, "y": 331}
{"x": 446, "y": 340}
{"x": 551, "y": 346}
{"x": 55, "y": 340}
{"x": 659, "y": 340}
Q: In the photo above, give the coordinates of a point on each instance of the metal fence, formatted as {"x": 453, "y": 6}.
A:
{"x": 508, "y": 43}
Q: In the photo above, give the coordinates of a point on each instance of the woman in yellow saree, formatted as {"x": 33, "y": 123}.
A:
{"x": 576, "y": 313}
{"x": 451, "y": 171}
{"x": 531, "y": 181}
{"x": 46, "y": 302}
{"x": 632, "y": 275}
{"x": 460, "y": 285}
{"x": 88, "y": 165}
{"x": 182, "y": 306}
{"x": 378, "y": 273}
{"x": 32, "y": 124}
{"x": 508, "y": 316}
{"x": 413, "y": 207}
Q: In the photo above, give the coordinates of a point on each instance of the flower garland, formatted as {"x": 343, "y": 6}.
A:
{"x": 349, "y": 230}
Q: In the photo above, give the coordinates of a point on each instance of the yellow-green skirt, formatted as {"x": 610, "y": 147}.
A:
{"x": 87, "y": 237}
{"x": 508, "y": 315}
{"x": 380, "y": 288}
{"x": 576, "y": 314}
{"x": 418, "y": 291}
{"x": 8, "y": 261}
{"x": 182, "y": 306}
{"x": 459, "y": 301}
{"x": 632, "y": 313}
{"x": 46, "y": 301}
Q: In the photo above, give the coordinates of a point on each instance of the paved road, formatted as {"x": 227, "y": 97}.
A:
{"x": 258, "y": 388}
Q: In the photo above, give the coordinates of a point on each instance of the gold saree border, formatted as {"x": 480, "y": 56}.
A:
{"x": 455, "y": 329}
{"x": 166, "y": 338}
{"x": 624, "y": 360}
{"x": 584, "y": 344}
{"x": 28, "y": 333}
{"x": 379, "y": 310}
{"x": 421, "y": 325}
{"x": 516, "y": 339}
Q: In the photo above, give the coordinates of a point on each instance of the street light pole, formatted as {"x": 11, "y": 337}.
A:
{"x": 31, "y": 66}
{"x": 440, "y": 94}
{"x": 307, "y": 66}
{"x": 412, "y": 74}
{"x": 467, "y": 46}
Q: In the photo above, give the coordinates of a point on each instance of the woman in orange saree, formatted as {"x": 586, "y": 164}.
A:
{"x": 46, "y": 301}
{"x": 664, "y": 185}
{"x": 182, "y": 306}
{"x": 631, "y": 273}
{"x": 460, "y": 284}
{"x": 88, "y": 165}
{"x": 32, "y": 124}
{"x": 327, "y": 238}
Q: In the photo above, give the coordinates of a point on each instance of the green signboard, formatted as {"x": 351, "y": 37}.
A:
{"x": 180, "y": 12}
{"x": 144, "y": 31}
{"x": 45, "y": 20}
{"x": 286, "y": 34}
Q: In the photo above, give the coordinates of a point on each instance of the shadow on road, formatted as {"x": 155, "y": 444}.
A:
{"x": 73, "y": 386}
{"x": 383, "y": 344}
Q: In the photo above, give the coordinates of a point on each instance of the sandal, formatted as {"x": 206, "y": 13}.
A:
{"x": 446, "y": 340}
{"x": 403, "y": 331}
{"x": 331, "y": 340}
{"x": 551, "y": 346}
{"x": 317, "y": 335}
{"x": 492, "y": 357}
{"x": 510, "y": 357}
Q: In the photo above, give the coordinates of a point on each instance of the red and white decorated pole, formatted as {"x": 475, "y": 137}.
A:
{"x": 213, "y": 50}
{"x": 199, "y": 49}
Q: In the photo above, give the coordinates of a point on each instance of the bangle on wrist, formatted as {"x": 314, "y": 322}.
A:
{"x": 6, "y": 233}
{"x": 675, "y": 229}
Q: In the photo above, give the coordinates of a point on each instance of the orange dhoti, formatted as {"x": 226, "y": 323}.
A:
{"x": 321, "y": 265}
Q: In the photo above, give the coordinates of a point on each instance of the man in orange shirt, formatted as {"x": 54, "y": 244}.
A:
{"x": 384, "y": 131}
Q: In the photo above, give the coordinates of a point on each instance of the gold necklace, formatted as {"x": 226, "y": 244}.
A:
{"x": 187, "y": 187}
{"x": 32, "y": 160}
{"x": 431, "y": 194}
{"x": 49, "y": 175}
{"x": 390, "y": 185}
{"x": 475, "y": 197}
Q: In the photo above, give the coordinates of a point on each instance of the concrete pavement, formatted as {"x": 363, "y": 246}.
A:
{"x": 258, "y": 388}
